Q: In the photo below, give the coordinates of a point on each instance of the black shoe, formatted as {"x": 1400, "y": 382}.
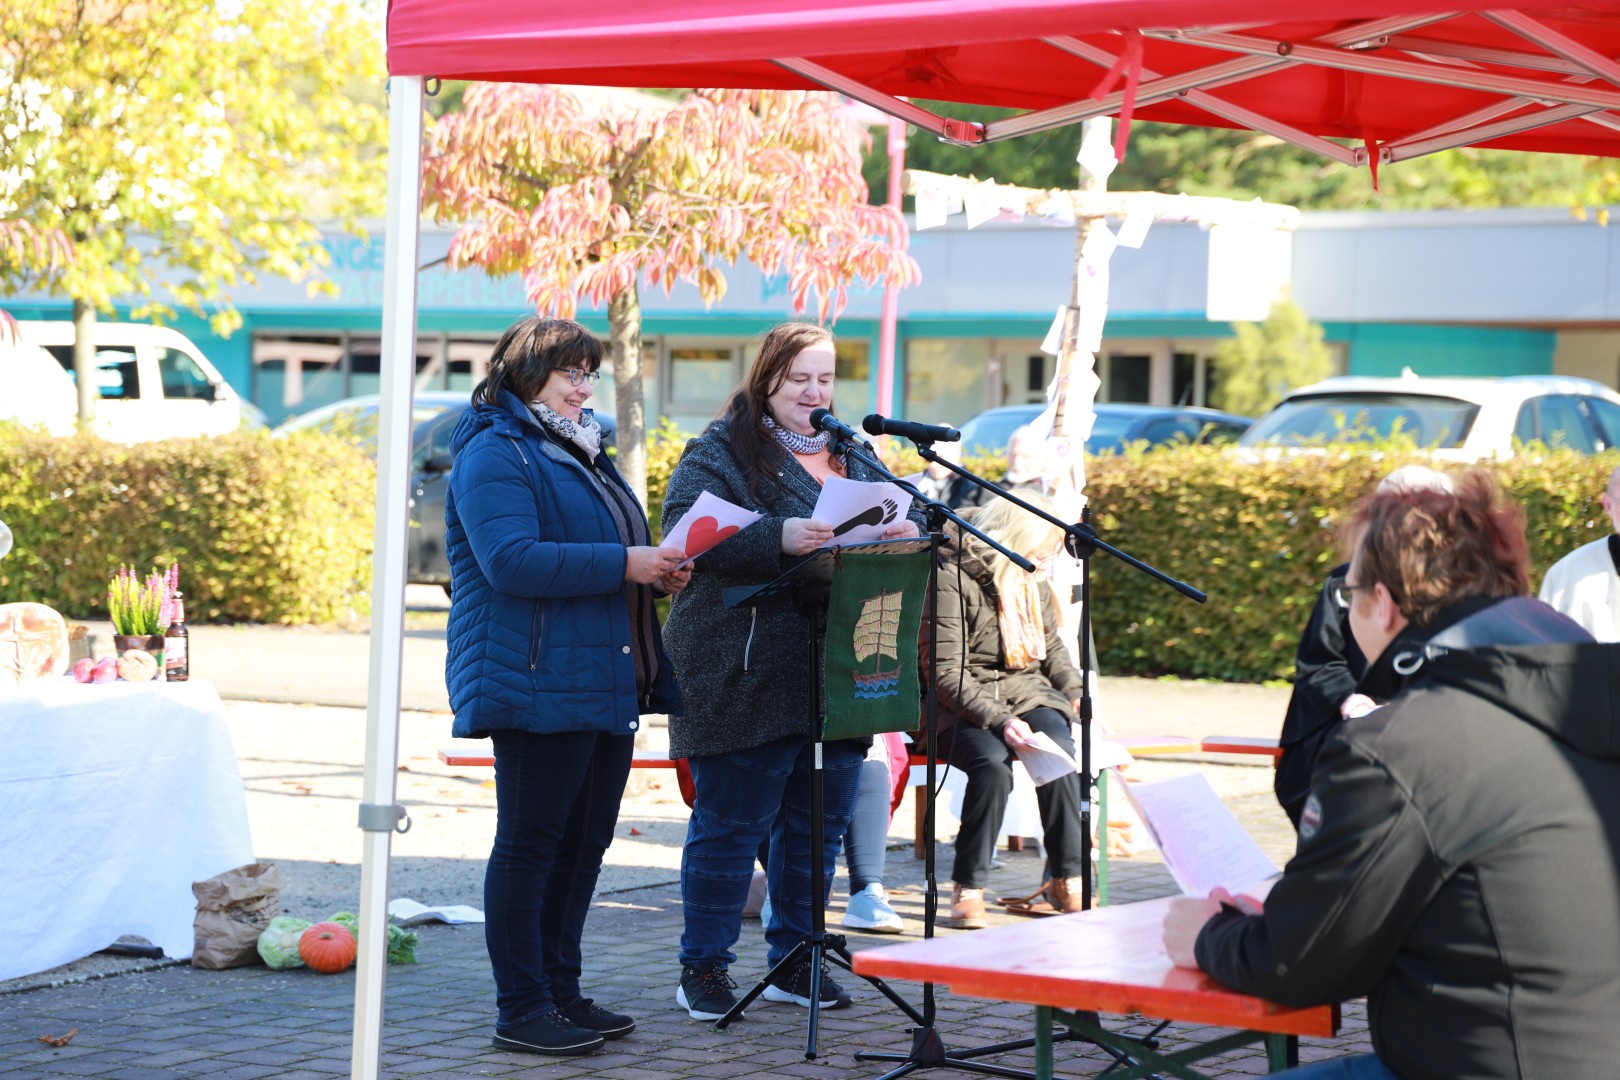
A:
{"x": 794, "y": 986}
{"x": 705, "y": 991}
{"x": 588, "y": 1014}
{"x": 549, "y": 1033}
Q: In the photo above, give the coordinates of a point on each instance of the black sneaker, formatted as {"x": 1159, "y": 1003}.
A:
{"x": 705, "y": 991}
{"x": 588, "y": 1014}
{"x": 794, "y": 986}
{"x": 549, "y": 1033}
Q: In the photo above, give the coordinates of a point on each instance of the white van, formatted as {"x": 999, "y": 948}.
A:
{"x": 154, "y": 383}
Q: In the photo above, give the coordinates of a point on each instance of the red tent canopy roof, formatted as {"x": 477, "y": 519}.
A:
{"x": 1408, "y": 76}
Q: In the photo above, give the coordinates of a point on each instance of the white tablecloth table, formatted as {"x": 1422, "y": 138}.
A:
{"x": 113, "y": 800}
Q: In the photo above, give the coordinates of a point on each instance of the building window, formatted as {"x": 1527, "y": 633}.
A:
{"x": 701, "y": 376}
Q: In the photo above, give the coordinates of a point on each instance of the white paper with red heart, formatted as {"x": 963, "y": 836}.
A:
{"x": 711, "y": 520}
{"x": 859, "y": 511}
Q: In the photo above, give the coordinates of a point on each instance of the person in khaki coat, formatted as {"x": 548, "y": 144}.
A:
{"x": 1003, "y": 676}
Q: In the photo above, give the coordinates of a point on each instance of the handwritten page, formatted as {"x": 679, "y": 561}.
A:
{"x": 1202, "y": 843}
{"x": 710, "y": 520}
{"x": 859, "y": 511}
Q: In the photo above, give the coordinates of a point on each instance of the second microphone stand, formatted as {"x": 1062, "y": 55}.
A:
{"x": 928, "y": 1049}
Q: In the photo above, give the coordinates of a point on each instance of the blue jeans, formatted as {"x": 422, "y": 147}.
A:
{"x": 1355, "y": 1067}
{"x": 556, "y": 804}
{"x": 744, "y": 798}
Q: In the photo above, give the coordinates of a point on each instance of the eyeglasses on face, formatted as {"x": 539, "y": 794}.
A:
{"x": 579, "y": 375}
{"x": 1342, "y": 594}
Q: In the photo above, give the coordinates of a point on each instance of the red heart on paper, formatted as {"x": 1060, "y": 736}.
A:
{"x": 704, "y": 534}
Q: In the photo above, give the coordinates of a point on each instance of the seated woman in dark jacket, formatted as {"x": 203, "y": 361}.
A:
{"x": 1004, "y": 674}
{"x": 554, "y": 652}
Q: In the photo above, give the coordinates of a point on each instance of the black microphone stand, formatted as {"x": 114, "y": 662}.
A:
{"x": 928, "y": 1049}
{"x": 1082, "y": 542}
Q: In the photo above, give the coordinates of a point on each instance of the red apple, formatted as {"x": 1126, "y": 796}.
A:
{"x": 83, "y": 669}
{"x": 106, "y": 670}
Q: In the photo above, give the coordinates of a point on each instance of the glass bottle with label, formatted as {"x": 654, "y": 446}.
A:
{"x": 176, "y": 643}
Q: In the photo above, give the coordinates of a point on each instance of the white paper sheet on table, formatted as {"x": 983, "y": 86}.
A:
{"x": 710, "y": 521}
{"x": 1203, "y": 845}
{"x": 409, "y": 912}
{"x": 859, "y": 511}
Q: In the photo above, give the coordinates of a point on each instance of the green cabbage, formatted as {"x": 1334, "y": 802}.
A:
{"x": 278, "y": 945}
{"x": 401, "y": 944}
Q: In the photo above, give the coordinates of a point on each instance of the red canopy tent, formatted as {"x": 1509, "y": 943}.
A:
{"x": 1397, "y": 78}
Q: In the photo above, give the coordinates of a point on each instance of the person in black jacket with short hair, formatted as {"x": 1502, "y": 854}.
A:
{"x": 1328, "y": 666}
{"x": 1459, "y": 853}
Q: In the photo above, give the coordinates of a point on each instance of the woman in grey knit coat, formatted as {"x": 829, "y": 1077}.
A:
{"x": 745, "y": 728}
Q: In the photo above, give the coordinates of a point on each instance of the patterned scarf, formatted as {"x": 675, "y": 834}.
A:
{"x": 584, "y": 433}
{"x": 1023, "y": 632}
{"x": 795, "y": 443}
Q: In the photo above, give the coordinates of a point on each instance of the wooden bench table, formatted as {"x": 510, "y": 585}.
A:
{"x": 1109, "y": 960}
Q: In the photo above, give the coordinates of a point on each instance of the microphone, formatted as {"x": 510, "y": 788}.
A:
{"x": 823, "y": 420}
{"x": 882, "y": 425}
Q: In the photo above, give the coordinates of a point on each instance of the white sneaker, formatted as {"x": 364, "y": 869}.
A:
{"x": 869, "y": 910}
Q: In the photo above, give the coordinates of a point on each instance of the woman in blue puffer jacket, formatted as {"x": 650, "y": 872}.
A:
{"x": 554, "y": 653}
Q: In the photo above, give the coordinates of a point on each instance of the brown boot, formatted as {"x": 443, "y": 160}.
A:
{"x": 967, "y": 908}
{"x": 1065, "y": 893}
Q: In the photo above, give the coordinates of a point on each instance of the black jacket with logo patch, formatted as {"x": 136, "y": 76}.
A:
{"x": 1459, "y": 861}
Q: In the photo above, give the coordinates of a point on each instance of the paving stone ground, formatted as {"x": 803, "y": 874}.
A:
{"x": 253, "y": 1022}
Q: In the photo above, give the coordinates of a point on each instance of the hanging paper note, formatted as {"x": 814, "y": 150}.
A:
{"x": 1057, "y": 211}
{"x": 983, "y": 204}
{"x": 1099, "y": 245}
{"x": 1054, "y": 334}
{"x": 1133, "y": 231}
{"x": 931, "y": 208}
{"x": 710, "y": 520}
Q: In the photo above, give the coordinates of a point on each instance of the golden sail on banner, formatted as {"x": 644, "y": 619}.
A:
{"x": 876, "y": 637}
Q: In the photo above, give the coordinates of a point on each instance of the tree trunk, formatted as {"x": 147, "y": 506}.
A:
{"x": 85, "y": 375}
{"x": 624, "y": 350}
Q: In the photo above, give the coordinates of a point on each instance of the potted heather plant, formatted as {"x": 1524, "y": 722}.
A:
{"x": 140, "y": 610}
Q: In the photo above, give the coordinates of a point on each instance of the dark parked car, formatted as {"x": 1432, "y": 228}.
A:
{"x": 433, "y": 420}
{"x": 1117, "y": 426}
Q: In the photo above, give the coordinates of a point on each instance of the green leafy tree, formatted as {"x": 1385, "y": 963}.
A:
{"x": 183, "y": 147}
{"x": 1261, "y": 362}
{"x": 587, "y": 193}
{"x": 1244, "y": 164}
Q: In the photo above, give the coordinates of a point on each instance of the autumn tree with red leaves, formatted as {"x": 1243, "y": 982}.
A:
{"x": 586, "y": 193}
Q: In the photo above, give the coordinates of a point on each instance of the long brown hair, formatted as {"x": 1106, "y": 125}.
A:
{"x": 756, "y": 450}
{"x": 530, "y": 350}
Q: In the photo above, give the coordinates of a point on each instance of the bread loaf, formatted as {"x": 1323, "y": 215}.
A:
{"x": 33, "y": 643}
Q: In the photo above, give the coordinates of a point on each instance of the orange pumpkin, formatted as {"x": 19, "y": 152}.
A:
{"x": 327, "y": 947}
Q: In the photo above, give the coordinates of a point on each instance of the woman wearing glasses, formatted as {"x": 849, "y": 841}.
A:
{"x": 1329, "y": 669}
{"x": 554, "y": 652}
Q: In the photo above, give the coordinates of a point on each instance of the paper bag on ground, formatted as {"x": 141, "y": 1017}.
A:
{"x": 233, "y": 909}
{"x": 1203, "y": 845}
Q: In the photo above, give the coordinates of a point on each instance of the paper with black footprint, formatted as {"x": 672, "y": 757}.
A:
{"x": 859, "y": 511}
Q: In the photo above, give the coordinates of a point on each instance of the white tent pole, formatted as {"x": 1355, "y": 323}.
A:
{"x": 379, "y": 814}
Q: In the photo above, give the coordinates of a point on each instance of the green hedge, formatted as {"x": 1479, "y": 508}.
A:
{"x": 272, "y": 530}
{"x": 1259, "y": 539}
{"x": 264, "y": 530}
